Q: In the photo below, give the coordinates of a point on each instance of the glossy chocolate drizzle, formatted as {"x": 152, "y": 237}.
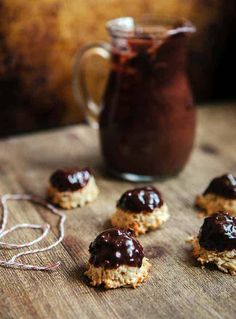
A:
{"x": 218, "y": 232}
{"x": 143, "y": 199}
{"x": 224, "y": 185}
{"x": 70, "y": 179}
{"x": 115, "y": 247}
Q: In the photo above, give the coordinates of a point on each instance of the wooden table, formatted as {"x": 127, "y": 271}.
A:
{"x": 177, "y": 287}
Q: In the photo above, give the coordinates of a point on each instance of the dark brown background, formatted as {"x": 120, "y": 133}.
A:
{"x": 38, "y": 43}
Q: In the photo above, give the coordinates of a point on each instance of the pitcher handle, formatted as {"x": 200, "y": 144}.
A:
{"x": 79, "y": 87}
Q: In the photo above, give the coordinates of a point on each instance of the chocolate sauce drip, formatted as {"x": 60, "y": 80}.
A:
{"x": 224, "y": 185}
{"x": 143, "y": 199}
{"x": 218, "y": 232}
{"x": 115, "y": 247}
{"x": 70, "y": 179}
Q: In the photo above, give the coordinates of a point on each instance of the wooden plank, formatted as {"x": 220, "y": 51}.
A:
{"x": 177, "y": 287}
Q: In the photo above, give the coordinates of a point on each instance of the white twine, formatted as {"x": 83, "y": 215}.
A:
{"x": 11, "y": 263}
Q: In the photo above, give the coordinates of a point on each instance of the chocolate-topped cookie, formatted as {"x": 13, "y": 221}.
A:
{"x": 72, "y": 187}
{"x": 117, "y": 259}
{"x": 142, "y": 199}
{"x": 216, "y": 242}
{"x": 115, "y": 247}
{"x": 219, "y": 195}
{"x": 140, "y": 209}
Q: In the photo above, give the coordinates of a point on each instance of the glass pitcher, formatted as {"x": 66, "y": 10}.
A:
{"x": 146, "y": 119}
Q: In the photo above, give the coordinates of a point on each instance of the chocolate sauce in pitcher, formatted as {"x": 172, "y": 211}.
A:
{"x": 147, "y": 123}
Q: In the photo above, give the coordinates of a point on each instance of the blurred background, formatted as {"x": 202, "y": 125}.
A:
{"x": 39, "y": 39}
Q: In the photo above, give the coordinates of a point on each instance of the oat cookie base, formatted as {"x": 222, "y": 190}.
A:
{"x": 123, "y": 276}
{"x": 73, "y": 199}
{"x": 211, "y": 203}
{"x": 140, "y": 222}
{"x": 224, "y": 260}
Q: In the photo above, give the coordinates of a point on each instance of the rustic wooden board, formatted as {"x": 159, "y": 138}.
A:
{"x": 177, "y": 288}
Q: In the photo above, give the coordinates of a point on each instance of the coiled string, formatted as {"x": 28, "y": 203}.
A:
{"x": 12, "y": 263}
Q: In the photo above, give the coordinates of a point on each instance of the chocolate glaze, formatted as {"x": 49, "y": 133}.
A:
{"x": 115, "y": 247}
{"x": 218, "y": 232}
{"x": 70, "y": 179}
{"x": 224, "y": 185}
{"x": 147, "y": 122}
{"x": 143, "y": 199}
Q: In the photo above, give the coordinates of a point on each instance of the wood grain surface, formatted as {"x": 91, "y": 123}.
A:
{"x": 177, "y": 287}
